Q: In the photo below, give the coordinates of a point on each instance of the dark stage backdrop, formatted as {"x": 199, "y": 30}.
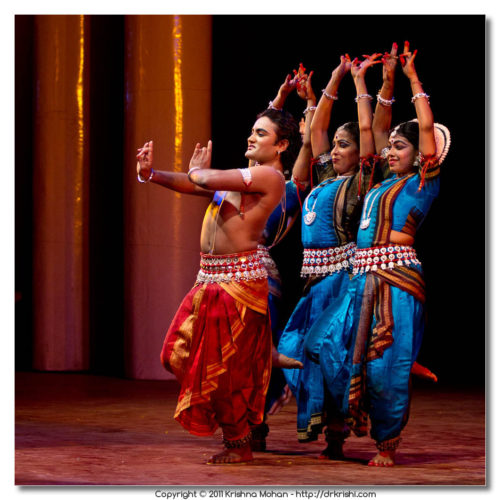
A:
{"x": 106, "y": 257}
{"x": 253, "y": 54}
{"x": 251, "y": 57}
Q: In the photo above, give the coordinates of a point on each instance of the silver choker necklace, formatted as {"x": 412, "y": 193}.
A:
{"x": 310, "y": 215}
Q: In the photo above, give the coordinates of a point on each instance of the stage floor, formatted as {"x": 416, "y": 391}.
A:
{"x": 77, "y": 429}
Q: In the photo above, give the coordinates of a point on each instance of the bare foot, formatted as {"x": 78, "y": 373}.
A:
{"x": 421, "y": 371}
{"x": 282, "y": 361}
{"x": 383, "y": 459}
{"x": 232, "y": 456}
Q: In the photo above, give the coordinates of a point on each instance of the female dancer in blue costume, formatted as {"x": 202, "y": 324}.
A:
{"x": 376, "y": 330}
{"x": 330, "y": 216}
{"x": 278, "y": 224}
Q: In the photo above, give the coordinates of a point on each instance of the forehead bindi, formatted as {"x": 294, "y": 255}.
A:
{"x": 343, "y": 135}
{"x": 395, "y": 139}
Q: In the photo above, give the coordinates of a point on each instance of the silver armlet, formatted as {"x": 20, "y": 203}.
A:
{"x": 247, "y": 176}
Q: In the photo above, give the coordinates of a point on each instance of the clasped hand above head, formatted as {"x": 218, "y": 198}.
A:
{"x": 390, "y": 61}
{"x": 407, "y": 59}
{"x": 358, "y": 67}
{"x": 304, "y": 86}
{"x": 343, "y": 68}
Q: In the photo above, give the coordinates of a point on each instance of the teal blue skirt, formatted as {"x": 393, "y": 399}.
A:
{"x": 308, "y": 384}
{"x": 331, "y": 342}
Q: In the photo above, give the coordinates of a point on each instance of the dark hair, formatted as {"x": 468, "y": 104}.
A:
{"x": 286, "y": 128}
{"x": 352, "y": 128}
{"x": 410, "y": 131}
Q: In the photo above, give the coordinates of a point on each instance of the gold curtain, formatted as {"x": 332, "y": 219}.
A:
{"x": 60, "y": 193}
{"x": 168, "y": 100}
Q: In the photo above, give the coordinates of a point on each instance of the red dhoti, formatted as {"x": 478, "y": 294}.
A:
{"x": 219, "y": 348}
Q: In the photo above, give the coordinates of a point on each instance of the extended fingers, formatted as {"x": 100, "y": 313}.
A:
{"x": 372, "y": 59}
{"x": 372, "y": 56}
{"x": 197, "y": 150}
{"x": 209, "y": 150}
{"x": 202, "y": 155}
{"x": 407, "y": 57}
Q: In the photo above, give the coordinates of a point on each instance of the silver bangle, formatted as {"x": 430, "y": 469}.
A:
{"x": 385, "y": 102}
{"x": 328, "y": 96}
{"x": 310, "y": 108}
{"x": 191, "y": 170}
{"x": 363, "y": 96}
{"x": 271, "y": 106}
{"x": 143, "y": 181}
{"x": 418, "y": 96}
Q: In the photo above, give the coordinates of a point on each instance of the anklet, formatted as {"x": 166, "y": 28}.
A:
{"x": 237, "y": 443}
{"x": 389, "y": 444}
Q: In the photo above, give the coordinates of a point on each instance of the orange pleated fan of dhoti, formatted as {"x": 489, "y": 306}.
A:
{"x": 219, "y": 348}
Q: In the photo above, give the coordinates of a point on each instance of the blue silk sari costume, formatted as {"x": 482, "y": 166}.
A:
{"x": 328, "y": 249}
{"x": 273, "y": 233}
{"x": 370, "y": 340}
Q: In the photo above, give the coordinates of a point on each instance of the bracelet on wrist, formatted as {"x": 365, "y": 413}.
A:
{"x": 191, "y": 170}
{"x": 271, "y": 106}
{"x": 310, "y": 108}
{"x": 363, "y": 96}
{"x": 142, "y": 180}
{"x": 385, "y": 102}
{"x": 329, "y": 96}
{"x": 419, "y": 95}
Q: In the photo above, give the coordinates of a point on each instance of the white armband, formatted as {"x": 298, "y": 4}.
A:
{"x": 247, "y": 176}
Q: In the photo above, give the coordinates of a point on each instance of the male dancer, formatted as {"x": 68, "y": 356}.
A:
{"x": 219, "y": 342}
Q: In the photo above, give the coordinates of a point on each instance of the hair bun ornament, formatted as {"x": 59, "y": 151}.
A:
{"x": 443, "y": 141}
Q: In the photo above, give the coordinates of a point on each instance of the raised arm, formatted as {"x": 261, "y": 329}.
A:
{"x": 427, "y": 142}
{"x": 176, "y": 181}
{"x": 305, "y": 91}
{"x": 321, "y": 121}
{"x": 383, "y": 110}
{"x": 363, "y": 99}
{"x": 284, "y": 91}
{"x": 278, "y": 102}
